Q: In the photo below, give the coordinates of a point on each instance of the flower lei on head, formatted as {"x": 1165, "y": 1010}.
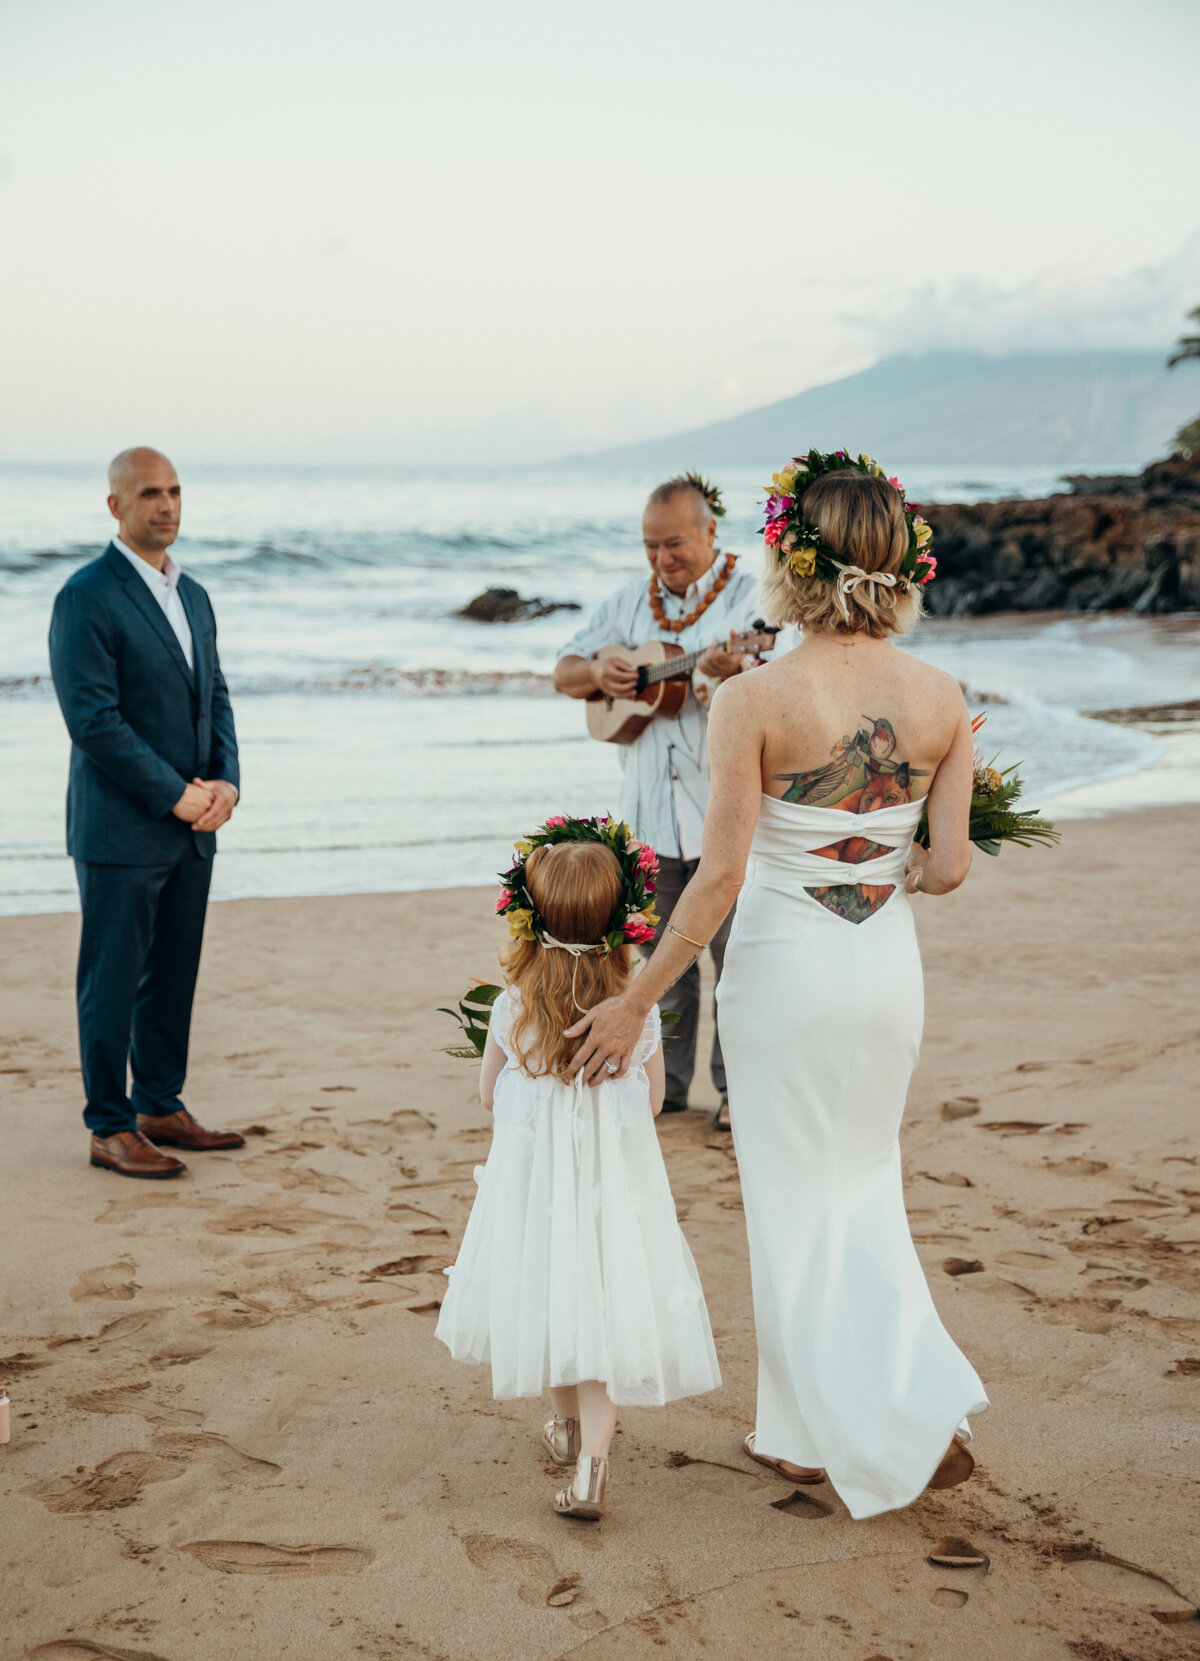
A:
{"x": 797, "y": 542}
{"x": 634, "y": 920}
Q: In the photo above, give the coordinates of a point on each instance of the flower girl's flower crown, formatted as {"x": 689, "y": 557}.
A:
{"x": 797, "y": 542}
{"x": 635, "y": 919}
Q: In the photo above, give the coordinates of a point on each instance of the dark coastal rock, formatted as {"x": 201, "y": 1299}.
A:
{"x": 1123, "y": 543}
{"x": 505, "y": 605}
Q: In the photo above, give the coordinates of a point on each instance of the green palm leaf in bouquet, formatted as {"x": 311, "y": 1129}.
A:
{"x": 995, "y": 817}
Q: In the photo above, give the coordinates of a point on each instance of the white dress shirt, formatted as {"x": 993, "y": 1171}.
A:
{"x": 664, "y": 794}
{"x": 164, "y": 585}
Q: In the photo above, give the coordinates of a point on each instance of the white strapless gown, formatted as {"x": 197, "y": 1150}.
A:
{"x": 821, "y": 1027}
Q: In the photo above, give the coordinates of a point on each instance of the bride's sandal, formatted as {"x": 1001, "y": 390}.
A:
{"x": 585, "y": 1496}
{"x": 560, "y": 1438}
{"x": 957, "y": 1464}
{"x": 812, "y": 1480}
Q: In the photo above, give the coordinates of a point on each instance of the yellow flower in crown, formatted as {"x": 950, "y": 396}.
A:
{"x": 523, "y": 847}
{"x": 520, "y": 924}
{"x": 785, "y": 482}
{"x": 924, "y": 534}
{"x": 804, "y": 561}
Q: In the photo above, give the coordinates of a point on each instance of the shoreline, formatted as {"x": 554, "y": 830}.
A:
{"x": 233, "y": 1378}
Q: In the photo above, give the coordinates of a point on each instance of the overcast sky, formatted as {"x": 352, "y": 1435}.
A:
{"x": 398, "y": 231}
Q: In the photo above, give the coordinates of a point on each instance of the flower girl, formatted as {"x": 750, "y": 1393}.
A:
{"x": 573, "y": 1273}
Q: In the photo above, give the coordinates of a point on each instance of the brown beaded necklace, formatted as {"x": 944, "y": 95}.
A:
{"x": 676, "y": 625}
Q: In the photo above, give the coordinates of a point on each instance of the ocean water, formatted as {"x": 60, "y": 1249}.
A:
{"x": 388, "y": 744}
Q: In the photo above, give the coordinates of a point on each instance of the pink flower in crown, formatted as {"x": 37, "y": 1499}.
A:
{"x": 554, "y": 822}
{"x": 778, "y": 505}
{"x": 895, "y": 482}
{"x": 650, "y": 887}
{"x": 504, "y": 900}
{"x": 636, "y": 931}
{"x": 773, "y": 533}
{"x": 930, "y": 565}
{"x": 632, "y": 846}
{"x": 647, "y": 859}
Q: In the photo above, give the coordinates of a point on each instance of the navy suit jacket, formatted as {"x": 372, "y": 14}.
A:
{"x": 142, "y": 724}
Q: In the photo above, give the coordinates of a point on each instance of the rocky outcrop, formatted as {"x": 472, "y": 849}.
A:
{"x": 505, "y": 605}
{"x": 1108, "y": 544}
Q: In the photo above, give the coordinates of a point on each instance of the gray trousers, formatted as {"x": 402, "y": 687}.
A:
{"x": 679, "y": 1050}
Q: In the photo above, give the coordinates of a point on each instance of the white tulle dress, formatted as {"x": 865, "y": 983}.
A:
{"x": 573, "y": 1265}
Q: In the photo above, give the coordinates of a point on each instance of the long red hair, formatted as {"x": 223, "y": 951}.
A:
{"x": 577, "y": 889}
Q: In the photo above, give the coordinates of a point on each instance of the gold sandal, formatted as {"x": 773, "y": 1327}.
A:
{"x": 956, "y": 1465}
{"x": 560, "y": 1438}
{"x": 585, "y": 1496}
{"x": 776, "y": 1465}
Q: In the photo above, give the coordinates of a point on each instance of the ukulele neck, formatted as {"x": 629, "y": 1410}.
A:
{"x": 671, "y": 668}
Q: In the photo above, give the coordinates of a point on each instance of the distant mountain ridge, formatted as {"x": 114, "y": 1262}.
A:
{"x": 1055, "y": 407}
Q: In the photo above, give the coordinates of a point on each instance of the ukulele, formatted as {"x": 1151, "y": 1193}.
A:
{"x": 663, "y": 673}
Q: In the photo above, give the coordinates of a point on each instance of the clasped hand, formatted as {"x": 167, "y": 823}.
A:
{"x": 206, "y": 804}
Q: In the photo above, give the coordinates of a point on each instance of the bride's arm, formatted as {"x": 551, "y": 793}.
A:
{"x": 949, "y": 857}
{"x": 735, "y": 742}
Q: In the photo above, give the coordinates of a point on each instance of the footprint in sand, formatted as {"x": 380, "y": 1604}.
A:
{"x": 1015, "y": 1127}
{"x": 114, "y": 1483}
{"x": 111, "y": 1280}
{"x": 258, "y": 1557}
{"x": 532, "y": 1568}
{"x": 180, "y": 1354}
{"x": 1116, "y": 1580}
{"x": 1045, "y": 1066}
{"x": 279, "y": 1171}
{"x": 126, "y": 1327}
{"x": 951, "y": 1179}
{"x": 957, "y": 1553}
{"x": 962, "y": 1266}
{"x": 1076, "y": 1166}
{"x": 130, "y": 1206}
{"x": 131, "y": 1399}
{"x": 948, "y": 1597}
{"x": 209, "y": 1448}
{"x": 1024, "y": 1260}
{"x": 416, "y": 1265}
{"x": 805, "y": 1506}
{"x": 87, "y": 1649}
{"x": 960, "y": 1107}
{"x": 1187, "y": 1366}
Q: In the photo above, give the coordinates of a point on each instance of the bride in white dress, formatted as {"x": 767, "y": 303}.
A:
{"x": 821, "y": 765}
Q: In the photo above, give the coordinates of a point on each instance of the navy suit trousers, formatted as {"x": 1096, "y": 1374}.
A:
{"x": 143, "y": 926}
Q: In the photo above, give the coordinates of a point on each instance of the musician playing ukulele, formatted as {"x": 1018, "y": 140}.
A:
{"x": 696, "y": 597}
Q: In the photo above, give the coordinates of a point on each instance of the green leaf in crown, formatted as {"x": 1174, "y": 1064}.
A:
{"x": 797, "y": 542}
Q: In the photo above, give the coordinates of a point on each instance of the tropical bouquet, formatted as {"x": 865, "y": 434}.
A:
{"x": 995, "y": 817}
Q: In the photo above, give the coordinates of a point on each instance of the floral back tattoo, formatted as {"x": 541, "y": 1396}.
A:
{"x": 862, "y": 775}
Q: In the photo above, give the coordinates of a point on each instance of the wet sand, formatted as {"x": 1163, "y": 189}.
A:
{"x": 235, "y": 1435}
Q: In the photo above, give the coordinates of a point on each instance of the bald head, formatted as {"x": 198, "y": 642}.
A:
{"x": 145, "y": 500}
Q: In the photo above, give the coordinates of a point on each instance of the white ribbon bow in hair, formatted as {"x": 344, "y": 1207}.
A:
{"x": 576, "y": 951}
{"x": 849, "y": 578}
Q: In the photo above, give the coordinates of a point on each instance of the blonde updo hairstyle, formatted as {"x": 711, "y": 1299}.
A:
{"x": 861, "y": 521}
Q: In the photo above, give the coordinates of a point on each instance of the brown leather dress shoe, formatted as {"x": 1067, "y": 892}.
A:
{"x": 180, "y": 1130}
{"x": 129, "y": 1153}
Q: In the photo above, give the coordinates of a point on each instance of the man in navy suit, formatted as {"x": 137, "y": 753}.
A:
{"x": 154, "y": 774}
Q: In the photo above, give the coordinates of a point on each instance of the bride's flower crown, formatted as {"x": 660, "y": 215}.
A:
{"x": 797, "y": 541}
{"x": 634, "y": 920}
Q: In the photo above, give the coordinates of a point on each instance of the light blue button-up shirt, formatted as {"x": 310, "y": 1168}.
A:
{"x": 664, "y": 793}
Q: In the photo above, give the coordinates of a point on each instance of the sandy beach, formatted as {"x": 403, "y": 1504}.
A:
{"x": 234, "y": 1434}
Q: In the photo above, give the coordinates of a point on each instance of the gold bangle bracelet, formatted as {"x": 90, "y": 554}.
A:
{"x": 700, "y": 945}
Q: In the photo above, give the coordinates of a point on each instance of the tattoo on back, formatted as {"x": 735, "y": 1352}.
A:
{"x": 862, "y": 775}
